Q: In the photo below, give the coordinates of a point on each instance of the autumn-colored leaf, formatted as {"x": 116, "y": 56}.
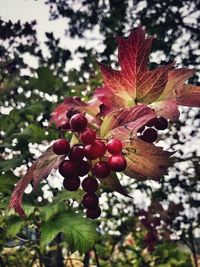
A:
{"x": 163, "y": 88}
{"x": 125, "y": 122}
{"x": 37, "y": 172}
{"x": 145, "y": 161}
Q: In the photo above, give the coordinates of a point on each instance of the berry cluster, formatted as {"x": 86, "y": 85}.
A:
{"x": 79, "y": 157}
{"x": 148, "y": 133}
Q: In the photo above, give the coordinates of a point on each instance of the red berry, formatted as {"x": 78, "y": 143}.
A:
{"x": 71, "y": 184}
{"x": 117, "y": 163}
{"x": 90, "y": 184}
{"x": 102, "y": 169}
{"x": 82, "y": 167}
{"x": 90, "y": 200}
{"x": 88, "y": 136}
{"x": 161, "y": 123}
{"x": 76, "y": 153}
{"x": 95, "y": 150}
{"x": 78, "y": 122}
{"x": 114, "y": 146}
{"x": 68, "y": 168}
{"x": 151, "y": 122}
{"x": 149, "y": 135}
{"x": 61, "y": 146}
{"x": 93, "y": 213}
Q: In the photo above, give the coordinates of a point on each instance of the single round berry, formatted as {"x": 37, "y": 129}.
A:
{"x": 95, "y": 150}
{"x": 68, "y": 168}
{"x": 88, "y": 136}
{"x": 161, "y": 123}
{"x": 102, "y": 169}
{"x": 78, "y": 122}
{"x": 149, "y": 135}
{"x": 114, "y": 146}
{"x": 65, "y": 126}
{"x": 90, "y": 200}
{"x": 61, "y": 146}
{"x": 117, "y": 163}
{"x": 83, "y": 167}
{"x": 90, "y": 184}
{"x": 71, "y": 184}
{"x": 93, "y": 213}
{"x": 76, "y": 153}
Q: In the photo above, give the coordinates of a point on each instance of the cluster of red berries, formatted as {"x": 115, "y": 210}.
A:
{"x": 150, "y": 134}
{"x": 78, "y": 162}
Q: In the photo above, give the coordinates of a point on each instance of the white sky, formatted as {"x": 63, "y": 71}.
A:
{"x": 28, "y": 10}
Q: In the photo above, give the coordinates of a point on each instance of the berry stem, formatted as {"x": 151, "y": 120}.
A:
{"x": 91, "y": 167}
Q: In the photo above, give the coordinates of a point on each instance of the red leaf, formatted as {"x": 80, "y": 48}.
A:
{"x": 133, "y": 83}
{"x": 37, "y": 172}
{"x": 145, "y": 161}
{"x": 188, "y": 95}
{"x": 167, "y": 108}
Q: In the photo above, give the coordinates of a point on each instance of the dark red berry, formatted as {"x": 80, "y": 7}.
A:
{"x": 102, "y": 169}
{"x": 88, "y": 136}
{"x": 95, "y": 150}
{"x": 90, "y": 184}
{"x": 65, "y": 126}
{"x": 76, "y": 153}
{"x": 68, "y": 168}
{"x": 161, "y": 123}
{"x": 78, "y": 122}
{"x": 151, "y": 122}
{"x": 61, "y": 146}
{"x": 71, "y": 184}
{"x": 82, "y": 167}
{"x": 114, "y": 146}
{"x": 117, "y": 163}
{"x": 93, "y": 213}
{"x": 90, "y": 200}
{"x": 149, "y": 135}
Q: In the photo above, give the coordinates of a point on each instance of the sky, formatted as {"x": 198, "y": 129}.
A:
{"x": 28, "y": 10}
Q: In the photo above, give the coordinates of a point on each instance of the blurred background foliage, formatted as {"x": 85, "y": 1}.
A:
{"x": 50, "y": 235}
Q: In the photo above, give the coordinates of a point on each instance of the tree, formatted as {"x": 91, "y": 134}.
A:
{"x": 29, "y": 128}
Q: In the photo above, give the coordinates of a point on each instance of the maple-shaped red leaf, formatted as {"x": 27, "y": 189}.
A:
{"x": 145, "y": 161}
{"x": 133, "y": 83}
{"x": 177, "y": 93}
{"x": 37, "y": 172}
{"x": 58, "y": 116}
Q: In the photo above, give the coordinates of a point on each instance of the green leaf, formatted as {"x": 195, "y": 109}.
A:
{"x": 7, "y": 182}
{"x": 33, "y": 133}
{"x": 6, "y": 165}
{"x": 49, "y": 211}
{"x": 14, "y": 224}
{"x": 46, "y": 82}
{"x": 80, "y": 233}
